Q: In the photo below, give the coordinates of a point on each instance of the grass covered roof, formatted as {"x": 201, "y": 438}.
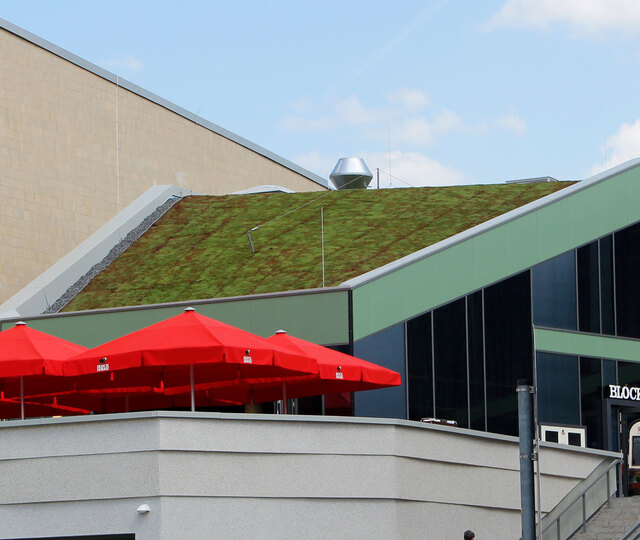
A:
{"x": 199, "y": 248}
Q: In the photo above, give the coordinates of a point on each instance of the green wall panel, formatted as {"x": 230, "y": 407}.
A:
{"x": 508, "y": 248}
{"x": 317, "y": 317}
{"x": 615, "y": 348}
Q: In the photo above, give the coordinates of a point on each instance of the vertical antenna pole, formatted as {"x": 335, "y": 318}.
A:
{"x": 322, "y": 233}
{"x": 378, "y": 176}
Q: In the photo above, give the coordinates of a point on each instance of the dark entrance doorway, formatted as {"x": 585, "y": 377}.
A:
{"x": 621, "y": 415}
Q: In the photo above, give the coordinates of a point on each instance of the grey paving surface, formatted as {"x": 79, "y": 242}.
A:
{"x": 612, "y": 523}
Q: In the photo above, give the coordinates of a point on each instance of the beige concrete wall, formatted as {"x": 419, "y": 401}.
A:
{"x": 76, "y": 148}
{"x": 212, "y": 475}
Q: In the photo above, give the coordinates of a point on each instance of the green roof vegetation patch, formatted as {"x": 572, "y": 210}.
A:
{"x": 200, "y": 249}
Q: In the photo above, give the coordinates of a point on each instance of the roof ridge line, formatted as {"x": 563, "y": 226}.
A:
{"x": 154, "y": 98}
{"x": 493, "y": 223}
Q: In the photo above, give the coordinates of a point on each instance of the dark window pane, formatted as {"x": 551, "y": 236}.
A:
{"x": 558, "y": 398}
{"x": 628, "y": 373}
{"x": 554, "y": 292}
{"x": 609, "y": 372}
{"x": 385, "y": 348}
{"x": 588, "y": 288}
{"x": 627, "y": 256}
{"x": 450, "y": 361}
{"x": 574, "y": 439}
{"x": 551, "y": 436}
{"x": 606, "y": 285}
{"x": 476, "y": 361}
{"x": 419, "y": 365}
{"x": 635, "y": 451}
{"x": 508, "y": 349}
{"x": 591, "y": 400}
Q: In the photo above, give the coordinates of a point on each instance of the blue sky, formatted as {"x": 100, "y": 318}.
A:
{"x": 433, "y": 92}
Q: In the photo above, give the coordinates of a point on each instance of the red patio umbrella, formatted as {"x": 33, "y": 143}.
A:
{"x": 130, "y": 399}
{"x": 11, "y": 408}
{"x": 337, "y": 373}
{"x": 26, "y": 352}
{"x": 180, "y": 350}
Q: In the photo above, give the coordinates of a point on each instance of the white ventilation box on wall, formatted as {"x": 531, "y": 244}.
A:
{"x": 571, "y": 435}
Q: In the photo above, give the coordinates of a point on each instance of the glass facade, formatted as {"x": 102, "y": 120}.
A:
{"x": 558, "y": 389}
{"x": 450, "y": 362}
{"x": 553, "y": 284}
{"x": 386, "y": 348}
{"x": 627, "y": 284}
{"x": 420, "y": 367}
{"x": 591, "y": 384}
{"x": 508, "y": 349}
{"x": 461, "y": 361}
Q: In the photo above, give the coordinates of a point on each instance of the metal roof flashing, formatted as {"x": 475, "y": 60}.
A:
{"x": 123, "y": 83}
{"x": 488, "y": 225}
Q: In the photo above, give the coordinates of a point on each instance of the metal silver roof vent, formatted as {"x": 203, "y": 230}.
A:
{"x": 351, "y": 173}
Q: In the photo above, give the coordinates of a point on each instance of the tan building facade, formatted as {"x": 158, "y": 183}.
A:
{"x": 78, "y": 144}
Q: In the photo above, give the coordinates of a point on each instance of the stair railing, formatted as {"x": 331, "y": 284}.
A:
{"x": 633, "y": 533}
{"x": 582, "y": 497}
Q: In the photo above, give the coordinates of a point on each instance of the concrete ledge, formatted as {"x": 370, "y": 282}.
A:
{"x": 43, "y": 291}
{"x": 257, "y": 475}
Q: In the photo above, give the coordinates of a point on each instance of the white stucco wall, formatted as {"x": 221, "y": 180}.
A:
{"x": 214, "y": 475}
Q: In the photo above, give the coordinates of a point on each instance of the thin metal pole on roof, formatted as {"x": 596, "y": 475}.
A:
{"x": 322, "y": 232}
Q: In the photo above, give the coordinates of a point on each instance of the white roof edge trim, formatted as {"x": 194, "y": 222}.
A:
{"x": 127, "y": 85}
{"x": 488, "y": 225}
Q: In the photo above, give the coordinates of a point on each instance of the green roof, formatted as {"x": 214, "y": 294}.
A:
{"x": 200, "y": 249}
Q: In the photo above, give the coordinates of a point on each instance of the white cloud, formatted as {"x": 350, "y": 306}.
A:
{"x": 408, "y": 169}
{"x": 352, "y": 112}
{"x": 412, "y": 169}
{"x": 590, "y": 16}
{"x": 125, "y": 62}
{"x": 620, "y": 147}
{"x": 348, "y": 112}
{"x": 512, "y": 122}
{"x": 410, "y": 99}
{"x": 317, "y": 162}
{"x": 417, "y": 131}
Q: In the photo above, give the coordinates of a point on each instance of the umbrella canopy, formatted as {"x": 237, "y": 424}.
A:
{"x": 180, "y": 350}
{"x": 337, "y": 373}
{"x": 131, "y": 399}
{"x": 26, "y": 352}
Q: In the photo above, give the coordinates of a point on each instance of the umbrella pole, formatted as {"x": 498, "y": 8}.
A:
{"x": 22, "y": 397}
{"x": 284, "y": 397}
{"x": 193, "y": 393}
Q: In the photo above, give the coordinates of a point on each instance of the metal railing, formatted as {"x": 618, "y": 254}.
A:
{"x": 582, "y": 497}
{"x": 633, "y": 533}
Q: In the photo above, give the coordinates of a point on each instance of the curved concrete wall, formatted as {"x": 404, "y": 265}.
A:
{"x": 213, "y": 475}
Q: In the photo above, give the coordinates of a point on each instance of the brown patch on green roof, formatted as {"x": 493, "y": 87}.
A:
{"x": 199, "y": 248}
